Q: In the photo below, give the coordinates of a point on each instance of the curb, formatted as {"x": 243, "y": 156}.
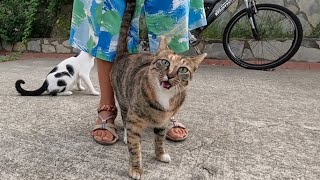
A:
{"x": 287, "y": 65}
{"x": 212, "y": 62}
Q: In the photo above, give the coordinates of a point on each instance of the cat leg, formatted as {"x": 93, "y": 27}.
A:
{"x": 79, "y": 85}
{"x": 88, "y": 82}
{"x": 134, "y": 147}
{"x": 125, "y": 137}
{"x": 65, "y": 93}
{"x": 124, "y": 113}
{"x": 159, "y": 145}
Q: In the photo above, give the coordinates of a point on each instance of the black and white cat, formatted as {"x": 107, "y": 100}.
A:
{"x": 64, "y": 77}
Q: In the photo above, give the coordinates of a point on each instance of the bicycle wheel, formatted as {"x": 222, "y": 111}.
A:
{"x": 280, "y": 36}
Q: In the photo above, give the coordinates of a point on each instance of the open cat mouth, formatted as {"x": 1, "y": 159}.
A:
{"x": 165, "y": 84}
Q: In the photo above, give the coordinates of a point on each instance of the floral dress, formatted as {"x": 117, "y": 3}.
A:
{"x": 96, "y": 24}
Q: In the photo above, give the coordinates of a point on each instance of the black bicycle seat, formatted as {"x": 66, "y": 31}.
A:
{"x": 211, "y": 1}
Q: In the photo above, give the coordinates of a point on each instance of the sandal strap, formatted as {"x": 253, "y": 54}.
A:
{"x": 104, "y": 126}
{"x": 111, "y": 108}
{"x": 109, "y": 127}
{"x": 175, "y": 123}
{"x": 105, "y": 121}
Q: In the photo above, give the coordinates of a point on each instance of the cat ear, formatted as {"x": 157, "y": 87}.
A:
{"x": 163, "y": 45}
{"x": 198, "y": 59}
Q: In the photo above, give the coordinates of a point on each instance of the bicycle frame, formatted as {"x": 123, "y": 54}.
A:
{"x": 216, "y": 14}
{"x": 249, "y": 14}
{"x": 212, "y": 16}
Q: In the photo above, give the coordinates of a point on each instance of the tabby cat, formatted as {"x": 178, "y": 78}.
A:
{"x": 64, "y": 77}
{"x": 150, "y": 88}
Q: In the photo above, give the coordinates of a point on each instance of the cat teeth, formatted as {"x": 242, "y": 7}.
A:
{"x": 166, "y": 84}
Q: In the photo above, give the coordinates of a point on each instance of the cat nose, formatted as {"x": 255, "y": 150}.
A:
{"x": 170, "y": 76}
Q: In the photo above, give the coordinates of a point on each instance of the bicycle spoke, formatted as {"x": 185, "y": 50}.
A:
{"x": 277, "y": 49}
{"x": 273, "y": 52}
{"x": 262, "y": 54}
{"x": 247, "y": 54}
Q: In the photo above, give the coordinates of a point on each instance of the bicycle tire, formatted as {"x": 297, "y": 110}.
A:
{"x": 296, "y": 42}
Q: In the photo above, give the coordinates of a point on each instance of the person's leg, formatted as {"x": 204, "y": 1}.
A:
{"x": 106, "y": 98}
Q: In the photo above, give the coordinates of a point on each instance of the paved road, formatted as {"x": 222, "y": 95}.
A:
{"x": 243, "y": 125}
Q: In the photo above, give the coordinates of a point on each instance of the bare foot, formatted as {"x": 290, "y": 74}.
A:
{"x": 177, "y": 133}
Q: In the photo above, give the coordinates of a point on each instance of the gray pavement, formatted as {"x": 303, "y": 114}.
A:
{"x": 243, "y": 125}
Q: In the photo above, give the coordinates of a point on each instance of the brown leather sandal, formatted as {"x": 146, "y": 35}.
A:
{"x": 175, "y": 124}
{"x": 105, "y": 125}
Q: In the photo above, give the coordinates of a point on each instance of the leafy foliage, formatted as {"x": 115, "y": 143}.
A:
{"x": 22, "y": 19}
{"x": 10, "y": 57}
{"x": 12, "y": 19}
{"x": 31, "y": 18}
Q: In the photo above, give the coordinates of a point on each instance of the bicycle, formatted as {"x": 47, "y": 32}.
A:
{"x": 249, "y": 35}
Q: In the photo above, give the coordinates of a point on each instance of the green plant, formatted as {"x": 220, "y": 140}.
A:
{"x": 316, "y": 32}
{"x": 12, "y": 19}
{"x": 11, "y": 57}
{"x": 62, "y": 27}
{"x": 31, "y": 18}
{"x": 46, "y": 14}
{"x": 214, "y": 31}
{"x": 23, "y": 19}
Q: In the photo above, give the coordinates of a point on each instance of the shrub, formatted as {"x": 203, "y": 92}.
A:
{"x": 22, "y": 19}
{"x": 12, "y": 19}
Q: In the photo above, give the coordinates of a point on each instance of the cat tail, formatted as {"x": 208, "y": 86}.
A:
{"x": 37, "y": 92}
{"x": 122, "y": 48}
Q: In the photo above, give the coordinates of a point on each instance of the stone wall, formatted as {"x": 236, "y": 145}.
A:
{"x": 308, "y": 52}
{"x": 308, "y": 12}
{"x": 43, "y": 45}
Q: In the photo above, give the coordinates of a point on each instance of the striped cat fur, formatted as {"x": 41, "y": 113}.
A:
{"x": 150, "y": 89}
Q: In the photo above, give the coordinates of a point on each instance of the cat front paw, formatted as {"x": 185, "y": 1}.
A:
{"x": 81, "y": 88}
{"x": 65, "y": 93}
{"x": 135, "y": 173}
{"x": 164, "y": 158}
{"x": 95, "y": 93}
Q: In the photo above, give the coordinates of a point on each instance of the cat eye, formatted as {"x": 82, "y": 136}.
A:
{"x": 183, "y": 70}
{"x": 165, "y": 62}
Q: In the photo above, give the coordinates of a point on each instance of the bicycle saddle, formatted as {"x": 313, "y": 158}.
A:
{"x": 210, "y": 1}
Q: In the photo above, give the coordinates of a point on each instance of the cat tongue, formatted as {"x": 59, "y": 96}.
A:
{"x": 166, "y": 84}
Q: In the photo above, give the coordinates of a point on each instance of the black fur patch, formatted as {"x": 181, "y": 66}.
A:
{"x": 54, "y": 92}
{"x": 158, "y": 131}
{"x": 60, "y": 74}
{"x": 61, "y": 83}
{"x": 53, "y": 70}
{"x": 70, "y": 69}
{"x": 62, "y": 90}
